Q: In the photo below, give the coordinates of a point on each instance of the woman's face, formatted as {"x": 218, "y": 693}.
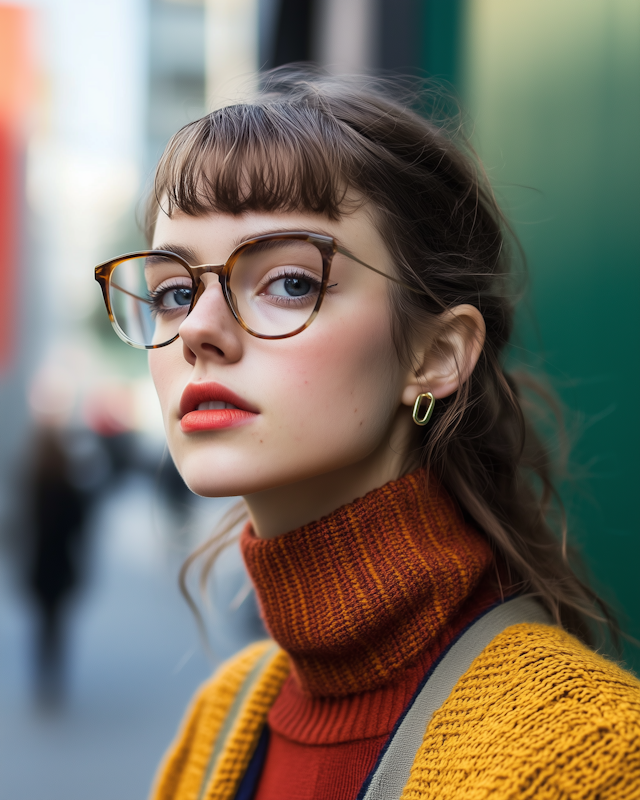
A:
{"x": 324, "y": 401}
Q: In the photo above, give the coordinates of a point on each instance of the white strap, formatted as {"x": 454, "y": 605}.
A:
{"x": 392, "y": 773}
{"x": 248, "y": 684}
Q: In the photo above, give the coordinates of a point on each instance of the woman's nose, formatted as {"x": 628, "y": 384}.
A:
{"x": 210, "y": 330}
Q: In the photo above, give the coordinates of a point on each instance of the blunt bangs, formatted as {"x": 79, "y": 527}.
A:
{"x": 256, "y": 157}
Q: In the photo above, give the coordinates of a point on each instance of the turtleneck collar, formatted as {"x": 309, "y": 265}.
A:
{"x": 357, "y": 596}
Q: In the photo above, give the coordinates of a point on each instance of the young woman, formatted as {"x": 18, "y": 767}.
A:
{"x": 326, "y": 304}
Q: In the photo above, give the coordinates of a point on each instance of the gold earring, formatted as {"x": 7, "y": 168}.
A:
{"x": 416, "y": 408}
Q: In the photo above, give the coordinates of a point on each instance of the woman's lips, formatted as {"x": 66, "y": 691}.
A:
{"x": 211, "y": 420}
{"x": 211, "y": 406}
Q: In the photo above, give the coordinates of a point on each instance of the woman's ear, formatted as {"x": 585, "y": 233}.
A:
{"x": 450, "y": 355}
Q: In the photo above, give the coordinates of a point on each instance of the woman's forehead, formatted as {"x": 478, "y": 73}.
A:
{"x": 237, "y": 228}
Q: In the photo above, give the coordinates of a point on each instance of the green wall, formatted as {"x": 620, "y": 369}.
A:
{"x": 553, "y": 88}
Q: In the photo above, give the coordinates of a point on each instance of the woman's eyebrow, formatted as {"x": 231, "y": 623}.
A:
{"x": 190, "y": 256}
{"x": 186, "y": 253}
{"x": 240, "y": 239}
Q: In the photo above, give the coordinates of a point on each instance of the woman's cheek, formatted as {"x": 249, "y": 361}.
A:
{"x": 340, "y": 391}
{"x": 164, "y": 369}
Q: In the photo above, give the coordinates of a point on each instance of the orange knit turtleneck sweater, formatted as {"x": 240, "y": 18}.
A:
{"x": 363, "y": 601}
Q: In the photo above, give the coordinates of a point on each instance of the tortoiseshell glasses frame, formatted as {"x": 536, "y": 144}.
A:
{"x": 326, "y": 245}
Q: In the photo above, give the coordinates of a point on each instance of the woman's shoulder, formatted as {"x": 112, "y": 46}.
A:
{"x": 537, "y": 714}
{"x": 229, "y": 709}
{"x": 550, "y": 668}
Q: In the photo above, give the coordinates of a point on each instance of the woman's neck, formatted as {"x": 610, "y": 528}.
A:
{"x": 278, "y": 510}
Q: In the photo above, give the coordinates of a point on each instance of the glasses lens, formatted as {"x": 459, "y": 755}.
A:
{"x": 150, "y": 297}
{"x": 275, "y": 285}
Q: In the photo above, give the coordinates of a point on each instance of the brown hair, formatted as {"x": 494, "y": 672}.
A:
{"x": 313, "y": 143}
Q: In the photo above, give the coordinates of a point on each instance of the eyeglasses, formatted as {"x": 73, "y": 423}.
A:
{"x": 274, "y": 286}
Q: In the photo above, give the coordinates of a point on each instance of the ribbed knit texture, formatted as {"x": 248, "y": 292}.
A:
{"x": 313, "y": 720}
{"x": 536, "y": 716}
{"x": 357, "y": 596}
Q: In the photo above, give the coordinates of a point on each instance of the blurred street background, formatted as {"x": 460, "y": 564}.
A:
{"x": 99, "y": 653}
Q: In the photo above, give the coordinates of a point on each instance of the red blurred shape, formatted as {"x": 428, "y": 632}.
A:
{"x": 15, "y": 97}
{"x": 109, "y": 409}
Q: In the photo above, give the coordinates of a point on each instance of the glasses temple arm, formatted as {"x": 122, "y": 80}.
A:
{"x": 346, "y": 253}
{"x": 131, "y": 294}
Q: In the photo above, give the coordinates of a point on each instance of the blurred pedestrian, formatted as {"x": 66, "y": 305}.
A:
{"x": 57, "y": 514}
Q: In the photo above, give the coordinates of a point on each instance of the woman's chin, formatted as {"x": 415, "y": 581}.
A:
{"x": 206, "y": 486}
{"x": 209, "y": 476}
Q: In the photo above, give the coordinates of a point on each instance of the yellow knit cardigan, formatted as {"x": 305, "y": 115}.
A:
{"x": 537, "y": 715}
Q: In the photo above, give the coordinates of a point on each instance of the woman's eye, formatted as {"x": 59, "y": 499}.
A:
{"x": 178, "y": 297}
{"x": 292, "y": 286}
{"x": 173, "y": 296}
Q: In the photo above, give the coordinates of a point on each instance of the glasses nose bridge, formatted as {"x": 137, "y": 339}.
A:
{"x": 205, "y": 269}
{"x": 202, "y": 269}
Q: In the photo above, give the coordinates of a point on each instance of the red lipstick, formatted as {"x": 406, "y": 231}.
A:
{"x": 211, "y": 406}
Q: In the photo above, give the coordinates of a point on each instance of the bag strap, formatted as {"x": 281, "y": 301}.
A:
{"x": 248, "y": 684}
{"x": 392, "y": 772}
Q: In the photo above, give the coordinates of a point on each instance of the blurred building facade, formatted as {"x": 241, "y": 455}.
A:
{"x": 553, "y": 92}
{"x": 404, "y": 36}
{"x": 16, "y": 340}
{"x": 176, "y": 71}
